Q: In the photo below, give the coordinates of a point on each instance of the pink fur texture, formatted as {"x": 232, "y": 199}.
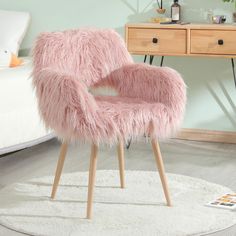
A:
{"x": 151, "y": 100}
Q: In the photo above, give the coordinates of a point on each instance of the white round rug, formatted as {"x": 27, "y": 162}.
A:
{"x": 137, "y": 210}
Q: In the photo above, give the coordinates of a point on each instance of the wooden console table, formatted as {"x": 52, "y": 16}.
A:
{"x": 206, "y": 40}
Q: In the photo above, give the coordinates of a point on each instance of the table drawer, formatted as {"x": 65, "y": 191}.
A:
{"x": 156, "y": 41}
{"x": 213, "y": 42}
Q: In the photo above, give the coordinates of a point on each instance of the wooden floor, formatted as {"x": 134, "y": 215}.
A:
{"x": 210, "y": 161}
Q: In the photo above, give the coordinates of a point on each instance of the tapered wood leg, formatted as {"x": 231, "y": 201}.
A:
{"x": 161, "y": 169}
{"x": 120, "y": 150}
{"x": 60, "y": 165}
{"x": 92, "y": 173}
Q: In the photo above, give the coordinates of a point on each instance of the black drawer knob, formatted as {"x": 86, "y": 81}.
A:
{"x": 155, "y": 40}
{"x": 220, "y": 41}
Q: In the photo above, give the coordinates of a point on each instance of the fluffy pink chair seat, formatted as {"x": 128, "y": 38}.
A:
{"x": 151, "y": 100}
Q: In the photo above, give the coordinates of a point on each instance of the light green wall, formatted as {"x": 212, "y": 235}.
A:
{"x": 207, "y": 103}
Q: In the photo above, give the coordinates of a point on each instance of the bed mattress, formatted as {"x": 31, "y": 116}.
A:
{"x": 20, "y": 124}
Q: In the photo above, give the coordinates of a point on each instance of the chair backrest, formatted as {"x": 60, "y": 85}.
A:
{"x": 65, "y": 65}
{"x": 88, "y": 54}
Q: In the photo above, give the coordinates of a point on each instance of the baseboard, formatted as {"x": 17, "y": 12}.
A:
{"x": 207, "y": 135}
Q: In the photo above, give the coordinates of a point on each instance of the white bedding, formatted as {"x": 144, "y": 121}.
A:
{"x": 20, "y": 125}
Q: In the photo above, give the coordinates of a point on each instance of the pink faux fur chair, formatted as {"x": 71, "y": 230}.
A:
{"x": 150, "y": 101}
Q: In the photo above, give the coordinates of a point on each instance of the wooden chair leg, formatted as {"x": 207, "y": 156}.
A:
{"x": 60, "y": 164}
{"x": 120, "y": 150}
{"x": 161, "y": 169}
{"x": 92, "y": 173}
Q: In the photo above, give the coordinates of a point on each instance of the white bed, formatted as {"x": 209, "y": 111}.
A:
{"x": 20, "y": 124}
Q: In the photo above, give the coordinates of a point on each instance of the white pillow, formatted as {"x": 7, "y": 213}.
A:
{"x": 13, "y": 26}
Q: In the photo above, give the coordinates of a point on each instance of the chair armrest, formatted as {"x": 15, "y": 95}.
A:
{"x": 150, "y": 83}
{"x": 62, "y": 97}
{"x": 67, "y": 107}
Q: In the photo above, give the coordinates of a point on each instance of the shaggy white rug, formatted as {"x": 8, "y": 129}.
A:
{"x": 137, "y": 210}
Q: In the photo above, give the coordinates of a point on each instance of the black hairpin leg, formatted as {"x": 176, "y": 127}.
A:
{"x": 145, "y": 58}
{"x": 162, "y": 59}
{"x": 151, "y": 59}
{"x": 128, "y": 143}
{"x": 233, "y": 68}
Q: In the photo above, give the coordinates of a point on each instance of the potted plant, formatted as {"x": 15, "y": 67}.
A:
{"x": 234, "y": 13}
